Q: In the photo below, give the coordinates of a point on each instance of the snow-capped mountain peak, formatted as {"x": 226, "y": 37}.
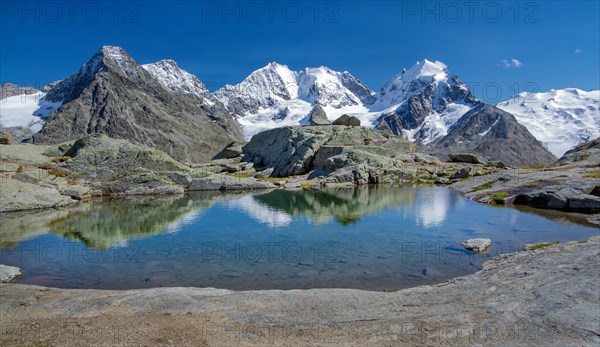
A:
{"x": 275, "y": 95}
{"x": 560, "y": 119}
{"x": 119, "y": 56}
{"x": 412, "y": 81}
{"x": 107, "y": 58}
{"x": 425, "y": 69}
{"x": 423, "y": 102}
{"x": 176, "y": 79}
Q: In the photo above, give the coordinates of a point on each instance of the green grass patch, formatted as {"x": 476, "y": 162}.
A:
{"x": 595, "y": 174}
{"x": 484, "y": 186}
{"x": 498, "y": 198}
{"x": 543, "y": 245}
{"x": 243, "y": 174}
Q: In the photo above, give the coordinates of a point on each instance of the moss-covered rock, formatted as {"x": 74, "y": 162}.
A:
{"x": 101, "y": 157}
{"x": 324, "y": 149}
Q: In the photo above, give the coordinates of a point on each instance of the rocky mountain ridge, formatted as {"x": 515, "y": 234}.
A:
{"x": 113, "y": 95}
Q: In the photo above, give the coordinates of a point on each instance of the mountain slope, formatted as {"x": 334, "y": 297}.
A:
{"x": 496, "y": 135}
{"x": 181, "y": 82}
{"x": 113, "y": 95}
{"x": 560, "y": 119}
{"x": 276, "y": 96}
{"x": 433, "y": 108}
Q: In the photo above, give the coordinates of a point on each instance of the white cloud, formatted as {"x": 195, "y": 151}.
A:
{"x": 578, "y": 50}
{"x": 513, "y": 63}
{"x": 516, "y": 63}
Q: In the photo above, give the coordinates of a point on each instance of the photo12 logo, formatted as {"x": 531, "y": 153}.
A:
{"x": 71, "y": 12}
{"x": 469, "y": 11}
{"x": 270, "y": 12}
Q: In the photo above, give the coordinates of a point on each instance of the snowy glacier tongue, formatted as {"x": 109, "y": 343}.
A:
{"x": 27, "y": 111}
{"x": 560, "y": 119}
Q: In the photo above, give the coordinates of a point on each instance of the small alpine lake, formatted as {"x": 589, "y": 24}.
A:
{"x": 376, "y": 238}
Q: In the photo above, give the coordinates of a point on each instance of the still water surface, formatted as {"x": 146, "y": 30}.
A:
{"x": 378, "y": 238}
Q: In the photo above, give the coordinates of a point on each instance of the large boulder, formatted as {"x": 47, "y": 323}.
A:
{"x": 461, "y": 173}
{"x": 233, "y": 150}
{"x": 298, "y": 150}
{"x": 288, "y": 150}
{"x": 5, "y": 138}
{"x": 557, "y": 198}
{"x": 318, "y": 116}
{"x": 467, "y": 158}
{"x": 347, "y": 121}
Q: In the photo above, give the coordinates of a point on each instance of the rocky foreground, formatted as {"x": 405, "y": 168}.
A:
{"x": 47, "y": 176}
{"x": 544, "y": 297}
{"x": 572, "y": 184}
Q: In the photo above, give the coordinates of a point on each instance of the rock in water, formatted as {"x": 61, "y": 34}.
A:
{"x": 8, "y": 273}
{"x": 347, "y": 120}
{"x": 477, "y": 245}
{"x": 467, "y": 158}
{"x": 318, "y": 116}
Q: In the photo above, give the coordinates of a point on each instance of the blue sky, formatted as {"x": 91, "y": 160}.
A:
{"x": 495, "y": 47}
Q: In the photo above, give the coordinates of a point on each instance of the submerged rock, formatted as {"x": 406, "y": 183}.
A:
{"x": 478, "y": 245}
